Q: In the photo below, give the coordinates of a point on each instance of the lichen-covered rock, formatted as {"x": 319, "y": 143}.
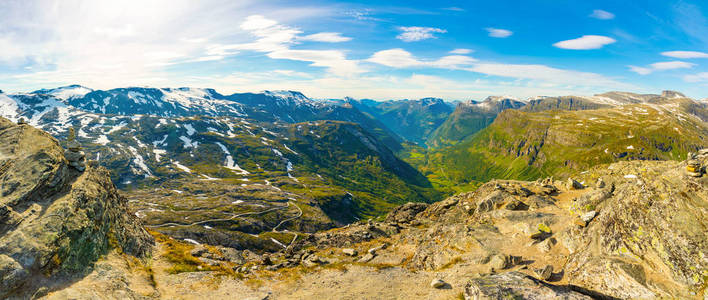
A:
{"x": 515, "y": 285}
{"x": 55, "y": 220}
{"x": 405, "y": 213}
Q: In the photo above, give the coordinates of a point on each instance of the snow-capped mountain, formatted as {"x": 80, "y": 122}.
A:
{"x": 66, "y": 92}
{"x": 496, "y": 103}
{"x": 144, "y": 132}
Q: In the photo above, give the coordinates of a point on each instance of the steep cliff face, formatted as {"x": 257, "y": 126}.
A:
{"x": 55, "y": 220}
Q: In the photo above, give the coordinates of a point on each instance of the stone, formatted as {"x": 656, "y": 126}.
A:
{"x": 515, "y": 260}
{"x": 544, "y": 273}
{"x": 367, "y": 258}
{"x": 693, "y": 168}
{"x": 232, "y": 255}
{"x": 580, "y": 223}
{"x": 600, "y": 183}
{"x": 515, "y": 205}
{"x": 350, "y": 251}
{"x": 573, "y": 184}
{"x": 499, "y": 262}
{"x": 437, "y": 283}
{"x": 546, "y": 245}
{"x": 405, "y": 213}
{"x": 588, "y": 216}
{"x": 209, "y": 261}
{"x": 309, "y": 264}
{"x": 199, "y": 250}
{"x": 375, "y": 249}
{"x": 516, "y": 285}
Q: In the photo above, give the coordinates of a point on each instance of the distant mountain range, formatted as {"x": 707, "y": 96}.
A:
{"x": 252, "y": 170}
{"x": 148, "y": 134}
{"x": 321, "y": 150}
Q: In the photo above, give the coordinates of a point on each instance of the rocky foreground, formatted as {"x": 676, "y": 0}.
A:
{"x": 55, "y": 220}
{"x": 626, "y": 230}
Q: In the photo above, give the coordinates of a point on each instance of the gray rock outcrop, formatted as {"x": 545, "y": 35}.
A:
{"x": 55, "y": 221}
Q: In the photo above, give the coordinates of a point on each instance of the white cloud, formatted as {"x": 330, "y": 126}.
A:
{"x": 334, "y": 60}
{"x": 602, "y": 15}
{"x": 547, "y": 74}
{"x": 499, "y": 33}
{"x": 640, "y": 70}
{"x": 671, "y": 65}
{"x": 399, "y": 58}
{"x": 461, "y": 51}
{"x": 327, "y": 37}
{"x": 699, "y": 77}
{"x": 275, "y": 40}
{"x": 585, "y": 42}
{"x": 454, "y": 8}
{"x": 257, "y": 22}
{"x": 292, "y": 73}
{"x": 661, "y": 66}
{"x": 415, "y": 33}
{"x": 685, "y": 54}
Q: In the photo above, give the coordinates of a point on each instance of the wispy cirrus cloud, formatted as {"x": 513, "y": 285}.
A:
{"x": 586, "y": 42}
{"x": 454, "y": 8}
{"x": 416, "y": 33}
{"x": 685, "y": 54}
{"x": 671, "y": 65}
{"x": 399, "y": 58}
{"x": 698, "y": 77}
{"x": 498, "y": 32}
{"x": 661, "y": 66}
{"x": 327, "y": 37}
{"x": 461, "y": 51}
{"x": 602, "y": 14}
{"x": 640, "y": 70}
{"x": 547, "y": 74}
{"x": 275, "y": 40}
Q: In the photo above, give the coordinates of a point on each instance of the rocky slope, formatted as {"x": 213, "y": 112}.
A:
{"x": 55, "y": 221}
{"x": 621, "y": 231}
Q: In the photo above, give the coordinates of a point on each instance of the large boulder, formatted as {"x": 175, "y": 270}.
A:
{"x": 515, "y": 285}
{"x": 54, "y": 220}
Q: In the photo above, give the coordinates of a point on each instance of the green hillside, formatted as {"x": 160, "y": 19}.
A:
{"x": 530, "y": 145}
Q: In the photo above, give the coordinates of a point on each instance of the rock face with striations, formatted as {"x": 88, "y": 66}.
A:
{"x": 54, "y": 220}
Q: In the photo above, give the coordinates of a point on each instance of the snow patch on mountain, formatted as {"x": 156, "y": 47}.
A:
{"x": 66, "y": 92}
{"x": 102, "y": 139}
{"x": 181, "y": 166}
{"x": 190, "y": 129}
{"x": 230, "y": 163}
{"x": 158, "y": 153}
{"x": 139, "y": 161}
{"x": 188, "y": 142}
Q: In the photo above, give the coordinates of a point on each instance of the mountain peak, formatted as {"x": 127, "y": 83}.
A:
{"x": 672, "y": 94}
{"x": 286, "y": 94}
{"x": 500, "y": 98}
{"x": 66, "y": 92}
{"x": 431, "y": 101}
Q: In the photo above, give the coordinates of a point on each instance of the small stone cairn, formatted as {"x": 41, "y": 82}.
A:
{"x": 73, "y": 154}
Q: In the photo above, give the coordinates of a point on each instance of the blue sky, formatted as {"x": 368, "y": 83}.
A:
{"x": 362, "y": 49}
